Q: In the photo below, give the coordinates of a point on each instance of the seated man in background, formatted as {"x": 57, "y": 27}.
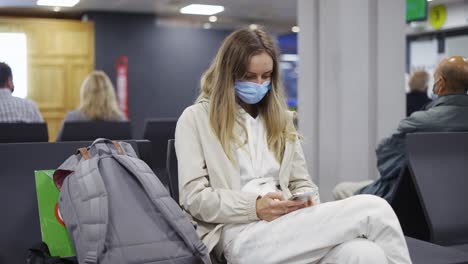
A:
{"x": 14, "y": 109}
{"x": 417, "y": 98}
{"x": 449, "y": 112}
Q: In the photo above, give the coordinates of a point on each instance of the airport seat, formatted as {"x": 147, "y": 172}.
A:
{"x": 159, "y": 131}
{"x": 23, "y": 132}
{"x": 20, "y": 227}
{"x": 423, "y": 252}
{"x": 91, "y": 130}
{"x": 407, "y": 207}
{"x": 439, "y": 170}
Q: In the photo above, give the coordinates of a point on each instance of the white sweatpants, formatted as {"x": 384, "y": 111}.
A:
{"x": 355, "y": 251}
{"x": 360, "y": 229}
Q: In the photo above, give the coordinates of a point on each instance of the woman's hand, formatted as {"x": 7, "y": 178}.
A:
{"x": 273, "y": 205}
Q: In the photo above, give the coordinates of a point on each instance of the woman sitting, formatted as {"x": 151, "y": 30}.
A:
{"x": 240, "y": 162}
{"x": 98, "y": 102}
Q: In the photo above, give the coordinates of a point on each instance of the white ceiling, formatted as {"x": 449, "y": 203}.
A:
{"x": 279, "y": 13}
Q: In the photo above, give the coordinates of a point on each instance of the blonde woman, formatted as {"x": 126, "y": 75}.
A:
{"x": 240, "y": 162}
{"x": 98, "y": 101}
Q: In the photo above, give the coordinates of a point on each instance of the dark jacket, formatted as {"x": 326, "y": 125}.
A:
{"x": 447, "y": 113}
{"x": 416, "y": 101}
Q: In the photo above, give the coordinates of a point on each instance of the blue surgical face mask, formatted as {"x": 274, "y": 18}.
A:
{"x": 250, "y": 92}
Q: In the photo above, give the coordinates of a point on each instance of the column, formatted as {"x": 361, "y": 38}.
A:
{"x": 351, "y": 84}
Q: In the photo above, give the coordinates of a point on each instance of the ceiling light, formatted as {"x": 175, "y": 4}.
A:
{"x": 213, "y": 19}
{"x": 62, "y": 3}
{"x": 207, "y": 10}
{"x": 56, "y": 9}
{"x": 207, "y": 26}
{"x": 295, "y": 29}
{"x": 253, "y": 26}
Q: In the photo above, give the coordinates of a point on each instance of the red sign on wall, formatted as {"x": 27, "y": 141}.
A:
{"x": 122, "y": 84}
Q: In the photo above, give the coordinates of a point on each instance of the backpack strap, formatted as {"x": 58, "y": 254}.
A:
{"x": 118, "y": 147}
{"x": 84, "y": 153}
{"x": 166, "y": 205}
{"x": 95, "y": 224}
{"x": 103, "y": 145}
{"x": 108, "y": 141}
{"x": 68, "y": 167}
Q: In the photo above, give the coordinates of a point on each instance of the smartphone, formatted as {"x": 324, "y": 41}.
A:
{"x": 305, "y": 196}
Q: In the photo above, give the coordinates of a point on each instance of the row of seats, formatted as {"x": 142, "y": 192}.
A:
{"x": 83, "y": 130}
{"x": 157, "y": 130}
{"x": 21, "y": 229}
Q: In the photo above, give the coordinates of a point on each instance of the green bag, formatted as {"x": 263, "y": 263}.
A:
{"x": 53, "y": 230}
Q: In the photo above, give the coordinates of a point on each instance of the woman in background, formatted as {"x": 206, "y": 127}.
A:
{"x": 97, "y": 101}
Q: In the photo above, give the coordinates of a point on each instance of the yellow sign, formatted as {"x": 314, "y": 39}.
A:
{"x": 438, "y": 16}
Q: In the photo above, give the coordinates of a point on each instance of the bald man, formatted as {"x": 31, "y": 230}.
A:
{"x": 451, "y": 77}
{"x": 449, "y": 112}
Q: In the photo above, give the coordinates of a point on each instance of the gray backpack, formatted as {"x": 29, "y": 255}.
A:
{"x": 117, "y": 211}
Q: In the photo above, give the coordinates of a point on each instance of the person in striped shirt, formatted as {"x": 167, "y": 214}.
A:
{"x": 14, "y": 109}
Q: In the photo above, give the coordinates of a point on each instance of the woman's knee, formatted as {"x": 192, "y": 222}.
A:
{"x": 356, "y": 251}
{"x": 369, "y": 201}
{"x": 376, "y": 208}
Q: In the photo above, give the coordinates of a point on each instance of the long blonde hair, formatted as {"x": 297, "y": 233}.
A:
{"x": 98, "y": 100}
{"x": 217, "y": 86}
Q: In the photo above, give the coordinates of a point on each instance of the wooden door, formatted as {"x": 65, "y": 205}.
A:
{"x": 60, "y": 55}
